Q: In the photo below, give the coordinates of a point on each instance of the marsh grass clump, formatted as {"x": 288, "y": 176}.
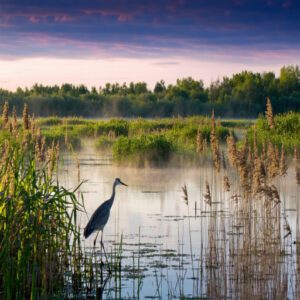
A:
{"x": 37, "y": 219}
{"x": 152, "y": 148}
{"x": 285, "y": 132}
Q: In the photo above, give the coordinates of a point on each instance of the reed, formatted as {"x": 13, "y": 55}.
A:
{"x": 214, "y": 144}
{"x": 5, "y": 114}
{"x": 37, "y": 219}
{"x": 269, "y": 114}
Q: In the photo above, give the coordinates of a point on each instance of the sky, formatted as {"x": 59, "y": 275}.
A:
{"x": 92, "y": 42}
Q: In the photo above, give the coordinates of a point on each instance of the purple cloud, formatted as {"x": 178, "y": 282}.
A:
{"x": 90, "y": 28}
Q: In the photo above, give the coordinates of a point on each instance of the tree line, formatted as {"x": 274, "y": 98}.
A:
{"x": 241, "y": 95}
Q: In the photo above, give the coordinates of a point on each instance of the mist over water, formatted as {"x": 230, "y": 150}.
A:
{"x": 170, "y": 238}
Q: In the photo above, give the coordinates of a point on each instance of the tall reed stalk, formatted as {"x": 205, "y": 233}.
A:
{"x": 37, "y": 220}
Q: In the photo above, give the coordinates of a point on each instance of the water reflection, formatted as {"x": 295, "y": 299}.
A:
{"x": 170, "y": 249}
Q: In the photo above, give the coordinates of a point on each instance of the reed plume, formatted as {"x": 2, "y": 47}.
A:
{"x": 258, "y": 175}
{"x": 185, "y": 194}
{"x": 207, "y": 195}
{"x": 226, "y": 183}
{"x": 269, "y": 114}
{"x": 273, "y": 161}
{"x": 25, "y": 117}
{"x": 232, "y": 151}
{"x": 214, "y": 143}
{"x": 5, "y": 114}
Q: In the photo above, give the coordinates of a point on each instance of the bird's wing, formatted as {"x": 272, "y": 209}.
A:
{"x": 98, "y": 219}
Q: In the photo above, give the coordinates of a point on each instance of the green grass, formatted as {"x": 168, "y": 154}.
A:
{"x": 155, "y": 149}
{"x": 37, "y": 224}
{"x": 179, "y": 132}
{"x": 286, "y": 131}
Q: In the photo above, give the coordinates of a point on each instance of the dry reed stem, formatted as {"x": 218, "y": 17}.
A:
{"x": 273, "y": 161}
{"x": 185, "y": 194}
{"x": 214, "y": 143}
{"x": 199, "y": 141}
{"x": 15, "y": 119}
{"x": 297, "y": 165}
{"x": 282, "y": 165}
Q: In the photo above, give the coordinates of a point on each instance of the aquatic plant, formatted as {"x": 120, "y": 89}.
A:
{"x": 37, "y": 219}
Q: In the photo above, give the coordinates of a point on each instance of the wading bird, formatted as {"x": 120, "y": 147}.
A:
{"x": 101, "y": 216}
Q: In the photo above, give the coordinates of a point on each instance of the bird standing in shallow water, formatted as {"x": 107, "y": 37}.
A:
{"x": 101, "y": 215}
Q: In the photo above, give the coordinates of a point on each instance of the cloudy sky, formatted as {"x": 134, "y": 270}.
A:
{"x": 98, "y": 41}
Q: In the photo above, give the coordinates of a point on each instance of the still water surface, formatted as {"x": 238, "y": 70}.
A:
{"x": 165, "y": 237}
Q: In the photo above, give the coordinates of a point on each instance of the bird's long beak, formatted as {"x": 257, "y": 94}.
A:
{"x": 123, "y": 183}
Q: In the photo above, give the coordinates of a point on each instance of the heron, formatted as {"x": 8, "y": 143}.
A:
{"x": 101, "y": 215}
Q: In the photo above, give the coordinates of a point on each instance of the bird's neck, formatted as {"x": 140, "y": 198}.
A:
{"x": 113, "y": 192}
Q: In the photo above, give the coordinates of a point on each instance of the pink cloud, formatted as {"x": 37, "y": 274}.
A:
{"x": 33, "y": 19}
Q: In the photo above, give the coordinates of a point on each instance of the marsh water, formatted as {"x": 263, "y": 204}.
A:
{"x": 173, "y": 247}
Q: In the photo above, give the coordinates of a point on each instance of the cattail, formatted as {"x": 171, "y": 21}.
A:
{"x": 282, "y": 165}
{"x": 25, "y": 117}
{"x": 207, "y": 195}
{"x": 185, "y": 194}
{"x": 269, "y": 114}
{"x": 5, "y": 114}
{"x": 226, "y": 183}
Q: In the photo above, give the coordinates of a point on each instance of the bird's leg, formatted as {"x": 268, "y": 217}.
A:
{"x": 102, "y": 245}
{"x": 96, "y": 239}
